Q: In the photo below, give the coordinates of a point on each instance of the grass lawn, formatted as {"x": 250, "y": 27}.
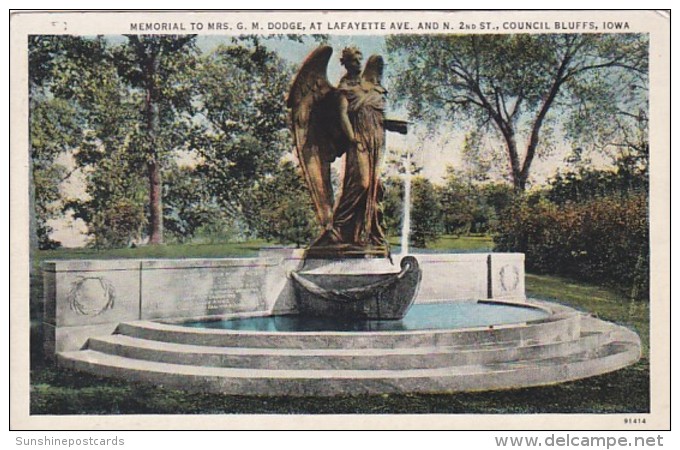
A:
{"x": 57, "y": 391}
{"x": 447, "y": 243}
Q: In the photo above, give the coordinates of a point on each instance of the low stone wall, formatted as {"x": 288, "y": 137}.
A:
{"x": 87, "y": 298}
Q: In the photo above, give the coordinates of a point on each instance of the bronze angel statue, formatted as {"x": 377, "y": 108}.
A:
{"x": 329, "y": 122}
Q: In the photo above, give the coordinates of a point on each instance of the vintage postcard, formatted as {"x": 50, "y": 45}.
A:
{"x": 340, "y": 220}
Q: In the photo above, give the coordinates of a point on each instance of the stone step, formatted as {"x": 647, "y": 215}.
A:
{"x": 303, "y": 382}
{"x": 332, "y": 358}
{"x": 560, "y": 327}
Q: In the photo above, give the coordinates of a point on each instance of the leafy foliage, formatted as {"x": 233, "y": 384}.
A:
{"x": 189, "y": 207}
{"x": 602, "y": 239}
{"x": 471, "y": 206}
{"x": 107, "y": 151}
{"x": 393, "y": 205}
{"x": 457, "y": 204}
{"x": 127, "y": 107}
{"x": 629, "y": 175}
{"x": 242, "y": 90}
{"x": 426, "y": 224}
{"x": 283, "y": 207}
{"x": 582, "y": 185}
{"x": 53, "y": 129}
{"x": 128, "y": 101}
{"x": 425, "y": 213}
{"x": 161, "y": 66}
{"x": 115, "y": 207}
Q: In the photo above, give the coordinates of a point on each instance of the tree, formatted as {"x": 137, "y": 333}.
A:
{"x": 188, "y": 204}
{"x": 86, "y": 78}
{"x": 283, "y": 207}
{"x": 515, "y": 86}
{"x": 54, "y": 128}
{"x": 498, "y": 197}
{"x": 243, "y": 131}
{"x": 139, "y": 101}
{"x": 457, "y": 204}
{"x": 160, "y": 66}
{"x": 393, "y": 205}
{"x": 133, "y": 102}
{"x": 425, "y": 213}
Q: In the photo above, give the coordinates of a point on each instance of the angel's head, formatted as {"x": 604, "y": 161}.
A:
{"x": 351, "y": 59}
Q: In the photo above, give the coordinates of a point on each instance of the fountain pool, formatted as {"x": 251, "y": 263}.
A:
{"x": 431, "y": 316}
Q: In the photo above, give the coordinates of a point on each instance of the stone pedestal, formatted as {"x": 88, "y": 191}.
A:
{"x": 347, "y": 251}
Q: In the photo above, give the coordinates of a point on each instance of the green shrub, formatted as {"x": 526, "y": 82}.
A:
{"x": 603, "y": 240}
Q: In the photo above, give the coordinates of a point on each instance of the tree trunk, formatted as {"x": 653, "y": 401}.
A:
{"x": 521, "y": 184}
{"x": 538, "y": 123}
{"x": 155, "y": 203}
{"x": 518, "y": 180}
{"x": 155, "y": 184}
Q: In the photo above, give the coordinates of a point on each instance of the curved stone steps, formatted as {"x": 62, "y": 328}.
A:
{"x": 560, "y": 327}
{"x": 249, "y": 381}
{"x": 566, "y": 346}
{"x": 399, "y": 358}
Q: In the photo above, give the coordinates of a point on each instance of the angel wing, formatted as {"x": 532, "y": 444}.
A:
{"x": 372, "y": 74}
{"x": 373, "y": 70}
{"x": 314, "y": 105}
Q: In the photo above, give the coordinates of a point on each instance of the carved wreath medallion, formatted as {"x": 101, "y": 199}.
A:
{"x": 91, "y": 296}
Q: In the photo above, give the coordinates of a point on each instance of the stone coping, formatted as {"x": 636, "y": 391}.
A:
{"x": 94, "y": 265}
{"x": 90, "y": 265}
{"x": 266, "y": 258}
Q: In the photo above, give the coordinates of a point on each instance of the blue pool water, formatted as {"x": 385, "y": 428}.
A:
{"x": 420, "y": 317}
